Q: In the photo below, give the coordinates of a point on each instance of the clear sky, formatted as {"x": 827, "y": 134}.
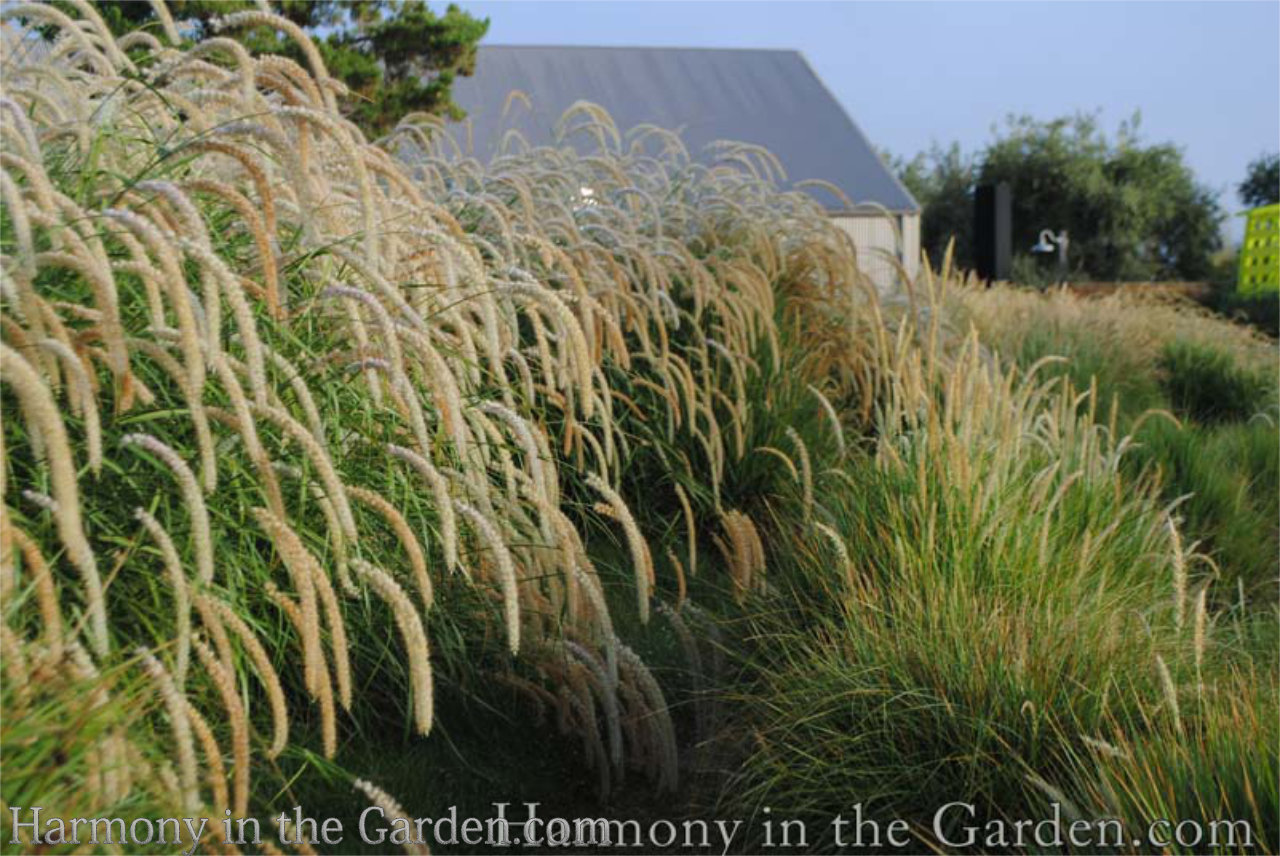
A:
{"x": 1205, "y": 75}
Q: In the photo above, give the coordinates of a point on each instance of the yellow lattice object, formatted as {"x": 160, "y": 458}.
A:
{"x": 1260, "y": 255}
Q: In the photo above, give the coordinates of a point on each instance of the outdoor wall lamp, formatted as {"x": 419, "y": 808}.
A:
{"x": 1047, "y": 242}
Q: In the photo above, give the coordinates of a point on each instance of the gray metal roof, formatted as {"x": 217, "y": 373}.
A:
{"x": 767, "y": 97}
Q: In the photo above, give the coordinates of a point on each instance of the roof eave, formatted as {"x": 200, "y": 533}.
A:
{"x": 869, "y": 210}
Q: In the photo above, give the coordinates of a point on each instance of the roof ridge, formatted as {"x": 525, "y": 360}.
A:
{"x": 706, "y": 48}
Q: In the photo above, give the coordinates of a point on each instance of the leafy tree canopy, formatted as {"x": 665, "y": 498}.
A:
{"x": 396, "y": 56}
{"x": 1133, "y": 211}
{"x": 942, "y": 181}
{"x": 1261, "y": 185}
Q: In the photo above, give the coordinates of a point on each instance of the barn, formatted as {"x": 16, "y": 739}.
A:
{"x": 770, "y": 98}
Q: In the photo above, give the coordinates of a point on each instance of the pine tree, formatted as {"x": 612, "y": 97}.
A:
{"x": 395, "y": 56}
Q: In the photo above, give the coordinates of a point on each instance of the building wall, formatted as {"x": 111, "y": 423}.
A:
{"x": 880, "y": 237}
{"x": 911, "y": 243}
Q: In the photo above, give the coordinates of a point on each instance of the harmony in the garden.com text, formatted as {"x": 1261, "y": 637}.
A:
{"x": 954, "y": 825}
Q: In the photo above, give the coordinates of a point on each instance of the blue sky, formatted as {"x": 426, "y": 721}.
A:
{"x": 1205, "y": 75}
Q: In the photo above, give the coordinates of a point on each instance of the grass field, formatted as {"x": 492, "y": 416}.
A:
{"x": 332, "y": 462}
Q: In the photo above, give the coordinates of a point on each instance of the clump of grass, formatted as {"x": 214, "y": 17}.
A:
{"x": 1011, "y": 593}
{"x": 1228, "y": 474}
{"x": 1207, "y": 773}
{"x": 1205, "y": 384}
{"x": 340, "y": 349}
{"x": 1146, "y": 353}
{"x": 205, "y": 263}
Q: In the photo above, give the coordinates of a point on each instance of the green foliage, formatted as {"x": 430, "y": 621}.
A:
{"x": 1260, "y": 310}
{"x": 1231, "y": 473}
{"x": 1206, "y": 385}
{"x": 1121, "y": 377}
{"x": 1261, "y": 185}
{"x": 395, "y": 57}
{"x": 942, "y": 181}
{"x": 980, "y": 650}
{"x": 1012, "y": 600}
{"x": 1134, "y": 211}
{"x": 1005, "y": 649}
{"x": 1210, "y": 769}
{"x": 1223, "y": 460}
